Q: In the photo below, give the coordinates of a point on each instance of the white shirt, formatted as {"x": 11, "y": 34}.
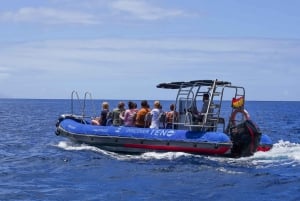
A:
{"x": 155, "y": 118}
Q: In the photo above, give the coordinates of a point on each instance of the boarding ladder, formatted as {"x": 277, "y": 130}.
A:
{"x": 212, "y": 115}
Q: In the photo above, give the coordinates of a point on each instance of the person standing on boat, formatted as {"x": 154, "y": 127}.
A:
{"x": 128, "y": 117}
{"x": 155, "y": 114}
{"x": 171, "y": 116}
{"x": 116, "y": 120}
{"x": 141, "y": 114}
{"x": 102, "y": 120}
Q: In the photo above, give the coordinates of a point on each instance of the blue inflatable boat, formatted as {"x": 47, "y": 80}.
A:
{"x": 212, "y": 136}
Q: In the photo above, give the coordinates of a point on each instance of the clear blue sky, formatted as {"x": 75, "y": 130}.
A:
{"x": 121, "y": 49}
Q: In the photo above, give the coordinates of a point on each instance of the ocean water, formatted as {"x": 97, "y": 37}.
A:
{"x": 38, "y": 165}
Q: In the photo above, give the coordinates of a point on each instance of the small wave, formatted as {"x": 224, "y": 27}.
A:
{"x": 228, "y": 171}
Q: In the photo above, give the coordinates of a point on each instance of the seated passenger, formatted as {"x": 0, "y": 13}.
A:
{"x": 129, "y": 115}
{"x": 198, "y": 116}
{"x": 101, "y": 121}
{"x": 205, "y": 106}
{"x": 140, "y": 116}
{"x": 116, "y": 120}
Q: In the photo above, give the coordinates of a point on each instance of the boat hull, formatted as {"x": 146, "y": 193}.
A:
{"x": 142, "y": 145}
{"x": 140, "y": 140}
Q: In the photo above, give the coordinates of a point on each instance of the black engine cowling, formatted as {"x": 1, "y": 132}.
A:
{"x": 245, "y": 138}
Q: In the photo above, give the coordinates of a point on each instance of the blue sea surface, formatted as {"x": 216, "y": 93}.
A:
{"x": 38, "y": 165}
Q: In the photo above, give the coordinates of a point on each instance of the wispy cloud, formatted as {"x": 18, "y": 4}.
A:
{"x": 61, "y": 54}
{"x": 5, "y": 72}
{"x": 130, "y": 61}
{"x": 142, "y": 10}
{"x": 89, "y": 12}
{"x": 47, "y": 16}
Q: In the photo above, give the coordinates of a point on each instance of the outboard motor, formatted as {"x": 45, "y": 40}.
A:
{"x": 245, "y": 138}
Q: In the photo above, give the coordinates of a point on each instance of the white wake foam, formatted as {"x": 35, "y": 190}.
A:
{"x": 282, "y": 153}
{"x": 163, "y": 156}
{"x": 70, "y": 146}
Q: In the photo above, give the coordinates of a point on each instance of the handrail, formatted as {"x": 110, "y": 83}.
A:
{"x": 84, "y": 102}
{"x": 72, "y": 100}
{"x": 82, "y": 106}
